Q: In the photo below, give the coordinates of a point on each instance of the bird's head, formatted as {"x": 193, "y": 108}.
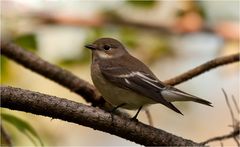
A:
{"x": 106, "y": 48}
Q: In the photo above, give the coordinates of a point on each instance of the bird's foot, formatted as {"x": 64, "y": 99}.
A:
{"x": 134, "y": 119}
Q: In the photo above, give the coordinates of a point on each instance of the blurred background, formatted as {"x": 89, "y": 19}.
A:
{"x": 169, "y": 36}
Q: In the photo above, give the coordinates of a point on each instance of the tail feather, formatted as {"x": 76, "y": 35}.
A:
{"x": 173, "y": 94}
{"x": 202, "y": 101}
{"x": 172, "y": 107}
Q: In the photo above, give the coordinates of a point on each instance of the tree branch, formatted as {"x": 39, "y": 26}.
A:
{"x": 59, "y": 108}
{"x": 220, "y": 61}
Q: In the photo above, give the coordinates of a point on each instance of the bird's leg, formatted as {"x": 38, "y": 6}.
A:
{"x": 115, "y": 108}
{"x": 135, "y": 116}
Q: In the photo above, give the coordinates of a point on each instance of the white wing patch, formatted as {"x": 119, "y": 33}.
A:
{"x": 149, "y": 82}
{"x": 132, "y": 74}
{"x": 126, "y": 80}
{"x": 144, "y": 78}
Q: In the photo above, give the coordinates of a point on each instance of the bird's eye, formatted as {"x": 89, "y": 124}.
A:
{"x": 106, "y": 47}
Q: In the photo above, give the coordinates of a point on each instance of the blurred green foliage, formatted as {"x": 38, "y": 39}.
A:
{"x": 23, "y": 127}
{"x": 92, "y": 36}
{"x": 85, "y": 55}
{"x": 27, "y": 41}
{"x": 156, "y": 46}
{"x": 200, "y": 9}
{"x": 160, "y": 49}
{"x": 129, "y": 37}
{"x": 141, "y": 3}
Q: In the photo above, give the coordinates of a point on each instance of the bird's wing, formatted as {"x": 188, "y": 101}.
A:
{"x": 139, "y": 82}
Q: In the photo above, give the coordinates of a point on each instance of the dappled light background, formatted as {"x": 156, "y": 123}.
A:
{"x": 171, "y": 37}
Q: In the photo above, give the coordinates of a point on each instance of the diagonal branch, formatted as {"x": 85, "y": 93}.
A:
{"x": 220, "y": 61}
{"x": 59, "y": 108}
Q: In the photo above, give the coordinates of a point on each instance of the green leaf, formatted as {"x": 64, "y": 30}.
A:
{"x": 27, "y": 41}
{"x": 23, "y": 127}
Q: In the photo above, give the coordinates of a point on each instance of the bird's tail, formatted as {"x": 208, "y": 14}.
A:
{"x": 173, "y": 94}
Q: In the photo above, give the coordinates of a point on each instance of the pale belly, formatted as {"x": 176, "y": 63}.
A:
{"x": 116, "y": 95}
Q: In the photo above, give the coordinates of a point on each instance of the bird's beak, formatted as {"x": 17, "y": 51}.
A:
{"x": 90, "y": 46}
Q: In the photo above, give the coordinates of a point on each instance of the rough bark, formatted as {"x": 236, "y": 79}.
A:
{"x": 60, "y": 108}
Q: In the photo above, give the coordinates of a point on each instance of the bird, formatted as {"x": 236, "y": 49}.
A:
{"x": 126, "y": 82}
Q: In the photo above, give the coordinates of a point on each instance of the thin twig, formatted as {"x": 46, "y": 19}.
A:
{"x": 229, "y": 107}
{"x": 223, "y": 137}
{"x": 235, "y": 123}
{"x": 236, "y": 105}
{"x": 236, "y": 139}
{"x": 59, "y": 108}
{"x": 221, "y": 143}
{"x": 149, "y": 116}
